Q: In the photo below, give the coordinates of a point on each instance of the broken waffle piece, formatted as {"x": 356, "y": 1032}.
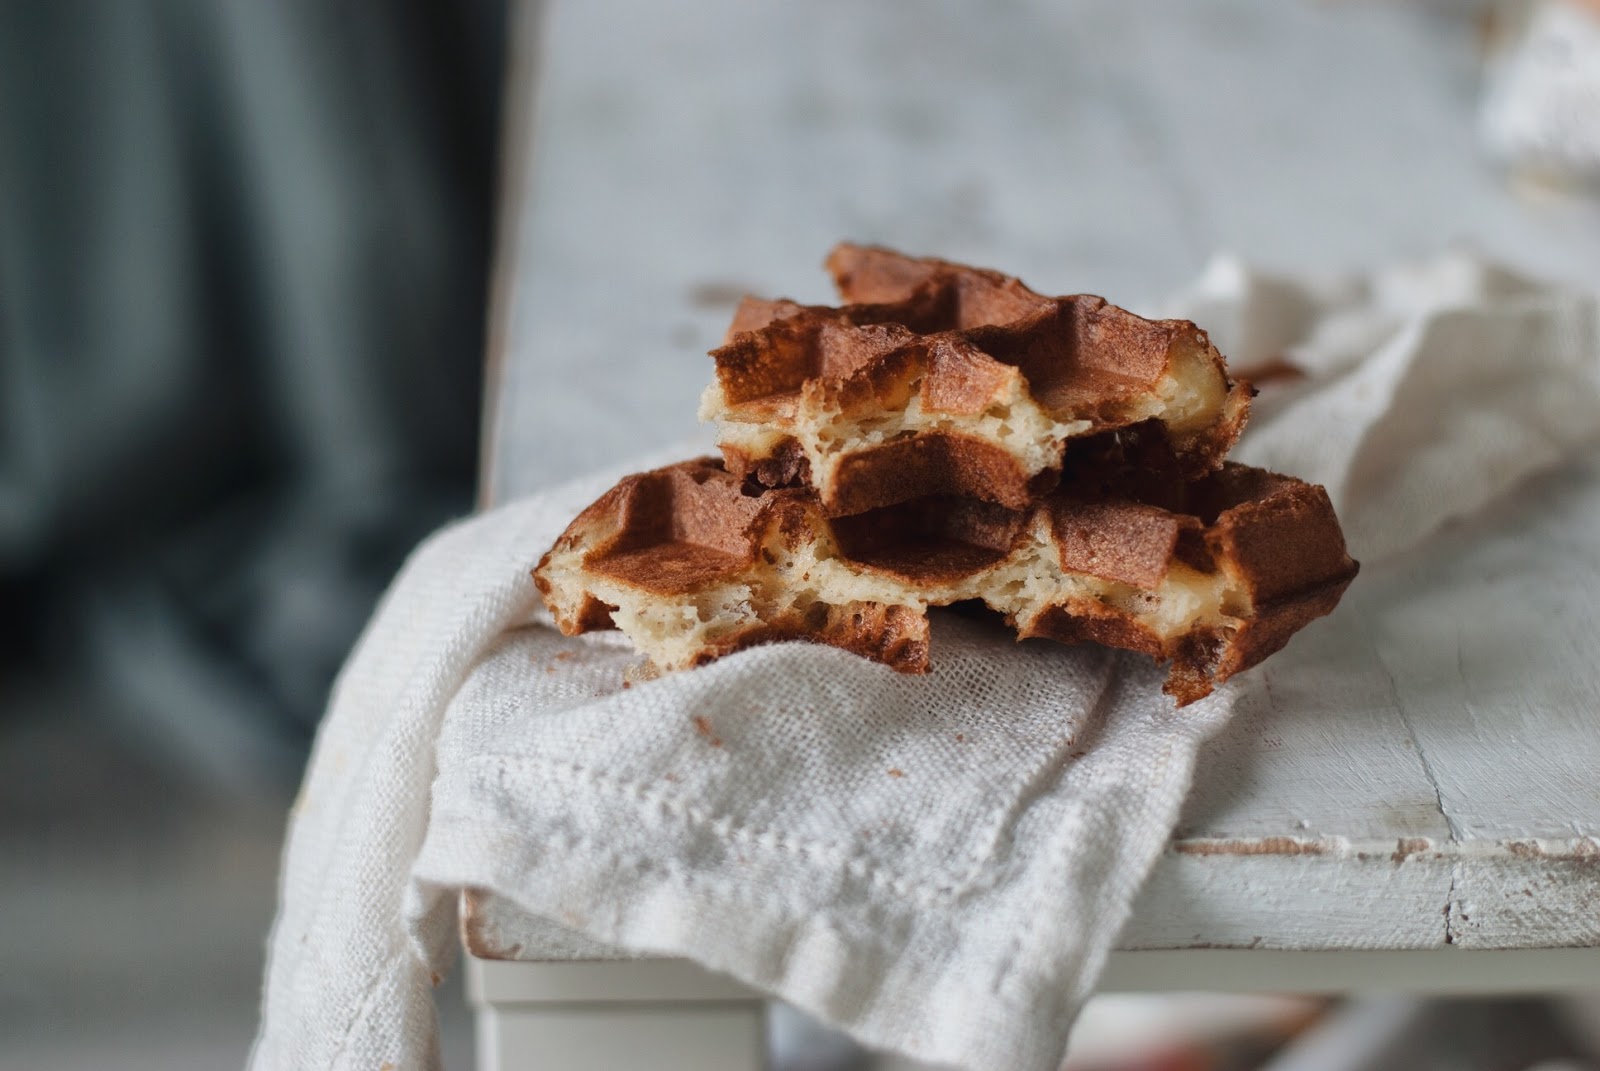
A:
{"x": 938, "y": 378}
{"x": 690, "y": 568}
{"x": 1210, "y": 575}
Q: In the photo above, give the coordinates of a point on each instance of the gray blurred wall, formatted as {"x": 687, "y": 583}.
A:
{"x": 243, "y": 250}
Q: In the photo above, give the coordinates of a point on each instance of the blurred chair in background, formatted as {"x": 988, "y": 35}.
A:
{"x": 243, "y": 253}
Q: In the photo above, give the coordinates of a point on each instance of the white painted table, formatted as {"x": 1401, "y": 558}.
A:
{"x": 1429, "y": 828}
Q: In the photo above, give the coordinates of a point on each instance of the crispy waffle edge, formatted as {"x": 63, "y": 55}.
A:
{"x": 777, "y": 351}
{"x": 1278, "y": 534}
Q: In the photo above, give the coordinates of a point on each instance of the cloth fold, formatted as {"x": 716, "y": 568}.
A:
{"x": 939, "y": 865}
{"x": 1415, "y": 394}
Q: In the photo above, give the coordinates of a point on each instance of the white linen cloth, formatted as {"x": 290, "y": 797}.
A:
{"x": 937, "y": 865}
{"x": 1429, "y": 389}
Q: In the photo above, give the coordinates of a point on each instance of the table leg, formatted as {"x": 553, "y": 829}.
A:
{"x": 668, "y": 1015}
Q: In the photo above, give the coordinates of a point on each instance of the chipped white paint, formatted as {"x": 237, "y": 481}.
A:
{"x": 1398, "y": 894}
{"x": 1276, "y": 894}
{"x": 1417, "y": 772}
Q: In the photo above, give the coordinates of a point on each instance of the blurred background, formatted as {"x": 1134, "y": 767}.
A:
{"x": 247, "y": 262}
{"x": 243, "y": 259}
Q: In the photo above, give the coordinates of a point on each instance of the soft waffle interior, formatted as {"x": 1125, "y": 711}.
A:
{"x": 676, "y": 629}
{"x": 831, "y": 425}
{"x": 1188, "y": 399}
{"x": 828, "y": 432}
{"x": 803, "y": 578}
{"x": 1020, "y": 574}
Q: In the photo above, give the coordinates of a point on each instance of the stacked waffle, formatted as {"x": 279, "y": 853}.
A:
{"x": 949, "y": 436}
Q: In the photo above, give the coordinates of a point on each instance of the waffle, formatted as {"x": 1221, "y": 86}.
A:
{"x": 1211, "y": 575}
{"x": 938, "y": 378}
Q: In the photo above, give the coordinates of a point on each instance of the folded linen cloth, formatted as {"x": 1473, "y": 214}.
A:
{"x": 1416, "y": 394}
{"x": 937, "y": 865}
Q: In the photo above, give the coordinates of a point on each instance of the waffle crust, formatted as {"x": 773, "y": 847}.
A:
{"x": 938, "y": 378}
{"x": 1210, "y": 575}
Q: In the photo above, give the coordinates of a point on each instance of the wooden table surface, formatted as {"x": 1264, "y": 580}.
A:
{"x": 1409, "y": 774}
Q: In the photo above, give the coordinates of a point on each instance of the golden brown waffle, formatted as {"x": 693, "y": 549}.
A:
{"x": 1212, "y": 575}
{"x": 938, "y": 378}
